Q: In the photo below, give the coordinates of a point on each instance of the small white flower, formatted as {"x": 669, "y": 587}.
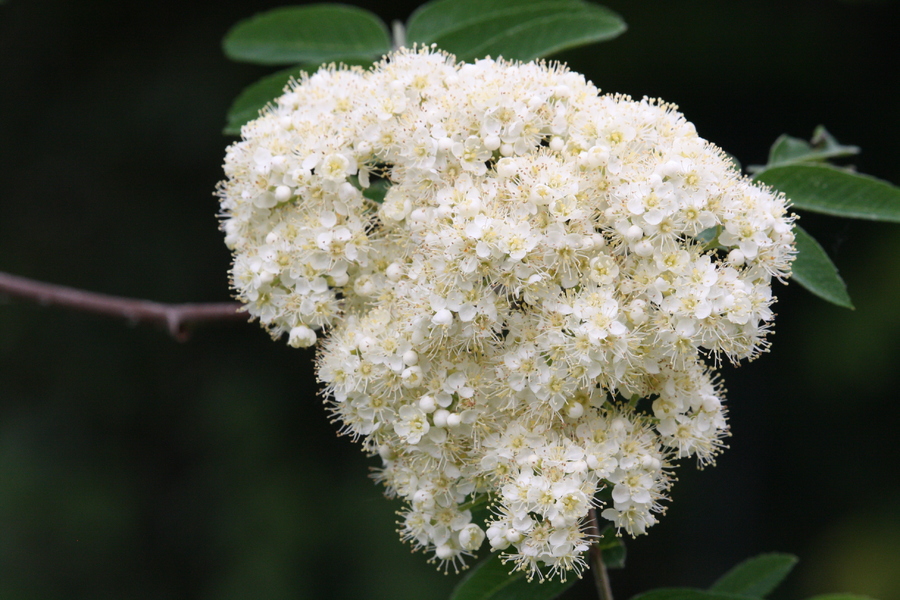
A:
{"x": 540, "y": 254}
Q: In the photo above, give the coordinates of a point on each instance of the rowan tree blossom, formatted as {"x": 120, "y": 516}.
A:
{"x": 533, "y": 313}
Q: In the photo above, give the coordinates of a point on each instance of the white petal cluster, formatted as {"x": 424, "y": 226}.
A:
{"x": 525, "y": 316}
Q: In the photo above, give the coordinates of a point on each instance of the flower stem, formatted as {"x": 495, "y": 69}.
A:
{"x": 598, "y": 567}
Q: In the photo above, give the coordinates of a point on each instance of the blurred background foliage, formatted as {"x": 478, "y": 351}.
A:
{"x": 132, "y": 466}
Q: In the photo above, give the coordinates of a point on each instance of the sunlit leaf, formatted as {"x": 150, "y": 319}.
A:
{"x": 756, "y": 576}
{"x": 308, "y": 34}
{"x": 522, "y": 30}
{"x": 814, "y": 270}
{"x": 836, "y": 192}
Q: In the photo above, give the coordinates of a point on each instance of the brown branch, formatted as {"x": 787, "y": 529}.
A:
{"x": 174, "y": 317}
{"x": 598, "y": 566}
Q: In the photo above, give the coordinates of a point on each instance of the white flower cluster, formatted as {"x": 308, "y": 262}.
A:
{"x": 523, "y": 318}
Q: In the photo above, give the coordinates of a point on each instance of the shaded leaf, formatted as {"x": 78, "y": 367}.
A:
{"x": 612, "y": 549}
{"x": 614, "y": 556}
{"x": 832, "y": 191}
{"x": 517, "y": 31}
{"x": 255, "y": 97}
{"x": 789, "y": 150}
{"x": 756, "y": 576}
{"x": 377, "y": 190}
{"x": 814, "y": 270}
{"x": 439, "y": 18}
{"x": 491, "y": 580}
{"x": 840, "y": 597}
{"x": 826, "y": 146}
{"x": 735, "y": 163}
{"x": 308, "y": 34}
{"x": 688, "y": 594}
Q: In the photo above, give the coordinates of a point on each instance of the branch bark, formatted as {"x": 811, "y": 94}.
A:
{"x": 174, "y": 317}
{"x": 598, "y": 567}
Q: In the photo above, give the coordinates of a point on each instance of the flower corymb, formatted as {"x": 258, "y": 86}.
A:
{"x": 519, "y": 285}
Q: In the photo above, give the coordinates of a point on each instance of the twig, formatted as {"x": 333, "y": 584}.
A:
{"x": 174, "y": 317}
{"x": 601, "y": 577}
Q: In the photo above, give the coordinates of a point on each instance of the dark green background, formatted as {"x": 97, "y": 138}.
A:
{"x": 132, "y": 466}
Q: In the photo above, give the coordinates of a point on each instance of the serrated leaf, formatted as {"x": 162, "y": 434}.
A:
{"x": 255, "y": 97}
{"x": 491, "y": 580}
{"x": 517, "y": 31}
{"x": 814, "y": 271}
{"x": 837, "y": 192}
{"x": 308, "y": 34}
{"x": 756, "y": 576}
{"x": 688, "y": 594}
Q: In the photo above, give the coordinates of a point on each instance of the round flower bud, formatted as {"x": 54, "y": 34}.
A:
{"x": 471, "y": 537}
{"x": 492, "y": 142}
{"x": 574, "y": 410}
{"x": 394, "y": 271}
{"x": 440, "y": 417}
{"x": 536, "y": 265}
{"x": 736, "y": 257}
{"x": 301, "y": 337}
{"x": 282, "y": 193}
{"x": 427, "y": 404}
{"x": 445, "y": 552}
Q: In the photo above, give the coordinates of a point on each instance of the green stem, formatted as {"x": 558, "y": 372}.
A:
{"x": 475, "y": 502}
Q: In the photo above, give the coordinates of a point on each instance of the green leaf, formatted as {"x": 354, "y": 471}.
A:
{"x": 756, "y": 576}
{"x": 789, "y": 150}
{"x": 837, "y": 192}
{"x": 612, "y": 549}
{"x": 814, "y": 270}
{"x": 735, "y": 163}
{"x": 255, "y": 97}
{"x": 688, "y": 594}
{"x": 308, "y": 34}
{"x": 522, "y": 30}
{"x": 826, "y": 146}
{"x": 840, "y": 597}
{"x": 377, "y": 190}
{"x": 491, "y": 580}
{"x": 439, "y": 18}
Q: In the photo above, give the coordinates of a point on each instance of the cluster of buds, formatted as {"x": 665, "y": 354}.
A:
{"x": 517, "y": 282}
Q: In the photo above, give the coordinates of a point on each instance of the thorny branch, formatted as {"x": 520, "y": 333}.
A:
{"x": 174, "y": 317}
